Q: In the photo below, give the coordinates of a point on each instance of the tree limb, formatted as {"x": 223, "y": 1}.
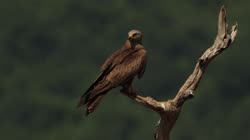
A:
{"x": 169, "y": 110}
{"x": 222, "y": 42}
{"x": 146, "y": 101}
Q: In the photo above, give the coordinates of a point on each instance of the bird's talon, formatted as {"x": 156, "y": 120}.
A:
{"x": 131, "y": 91}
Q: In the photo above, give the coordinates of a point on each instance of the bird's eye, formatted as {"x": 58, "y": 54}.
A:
{"x": 135, "y": 35}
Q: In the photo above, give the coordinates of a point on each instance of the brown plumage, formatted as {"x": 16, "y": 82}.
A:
{"x": 118, "y": 70}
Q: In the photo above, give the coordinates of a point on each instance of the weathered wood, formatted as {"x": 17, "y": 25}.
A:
{"x": 169, "y": 110}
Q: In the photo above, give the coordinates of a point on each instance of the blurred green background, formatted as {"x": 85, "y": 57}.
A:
{"x": 51, "y": 51}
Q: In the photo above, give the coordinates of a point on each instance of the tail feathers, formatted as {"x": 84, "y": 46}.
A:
{"x": 93, "y": 93}
{"x": 91, "y": 106}
{"x": 85, "y": 96}
{"x": 93, "y": 101}
{"x": 81, "y": 102}
{"x": 93, "y": 96}
{"x": 84, "y": 99}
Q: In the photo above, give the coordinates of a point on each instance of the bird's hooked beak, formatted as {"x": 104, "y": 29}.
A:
{"x": 130, "y": 36}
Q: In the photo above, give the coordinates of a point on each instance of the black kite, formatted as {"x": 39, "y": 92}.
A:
{"x": 118, "y": 70}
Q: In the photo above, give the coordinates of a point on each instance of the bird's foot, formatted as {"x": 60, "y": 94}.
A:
{"x": 132, "y": 91}
{"x": 128, "y": 90}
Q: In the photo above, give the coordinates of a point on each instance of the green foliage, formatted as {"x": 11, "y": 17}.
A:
{"x": 51, "y": 51}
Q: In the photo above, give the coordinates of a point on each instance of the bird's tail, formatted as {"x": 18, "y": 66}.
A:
{"x": 91, "y": 106}
{"x": 93, "y": 92}
{"x": 95, "y": 100}
{"x": 86, "y": 96}
{"x": 81, "y": 102}
{"x": 93, "y": 96}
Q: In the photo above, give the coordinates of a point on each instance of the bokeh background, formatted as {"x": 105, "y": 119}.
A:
{"x": 51, "y": 51}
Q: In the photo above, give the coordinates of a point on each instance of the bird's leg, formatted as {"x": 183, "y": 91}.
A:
{"x": 128, "y": 88}
{"x": 131, "y": 90}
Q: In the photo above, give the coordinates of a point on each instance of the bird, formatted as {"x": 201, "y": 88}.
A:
{"x": 119, "y": 70}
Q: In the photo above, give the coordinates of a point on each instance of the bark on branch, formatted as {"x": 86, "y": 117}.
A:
{"x": 169, "y": 110}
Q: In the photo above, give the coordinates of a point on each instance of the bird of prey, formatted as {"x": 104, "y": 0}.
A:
{"x": 118, "y": 70}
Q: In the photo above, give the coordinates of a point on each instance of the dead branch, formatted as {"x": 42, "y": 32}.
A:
{"x": 169, "y": 110}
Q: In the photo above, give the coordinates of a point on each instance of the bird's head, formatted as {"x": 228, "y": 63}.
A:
{"x": 135, "y": 36}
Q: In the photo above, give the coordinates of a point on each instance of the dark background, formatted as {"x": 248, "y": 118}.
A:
{"x": 51, "y": 51}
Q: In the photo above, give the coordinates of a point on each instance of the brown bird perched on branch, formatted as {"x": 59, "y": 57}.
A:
{"x": 118, "y": 70}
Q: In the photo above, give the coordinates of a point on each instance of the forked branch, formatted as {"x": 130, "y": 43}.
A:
{"x": 223, "y": 41}
{"x": 169, "y": 110}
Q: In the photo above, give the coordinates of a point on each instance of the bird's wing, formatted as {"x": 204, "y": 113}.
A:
{"x": 110, "y": 60}
{"x": 118, "y": 70}
{"x": 143, "y": 65}
{"x": 129, "y": 67}
{"x": 122, "y": 68}
{"x": 99, "y": 80}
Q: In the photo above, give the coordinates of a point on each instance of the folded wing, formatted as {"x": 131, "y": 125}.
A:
{"x": 120, "y": 67}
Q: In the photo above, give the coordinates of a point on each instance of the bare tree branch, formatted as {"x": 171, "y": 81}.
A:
{"x": 146, "y": 101}
{"x": 222, "y": 41}
{"x": 169, "y": 110}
